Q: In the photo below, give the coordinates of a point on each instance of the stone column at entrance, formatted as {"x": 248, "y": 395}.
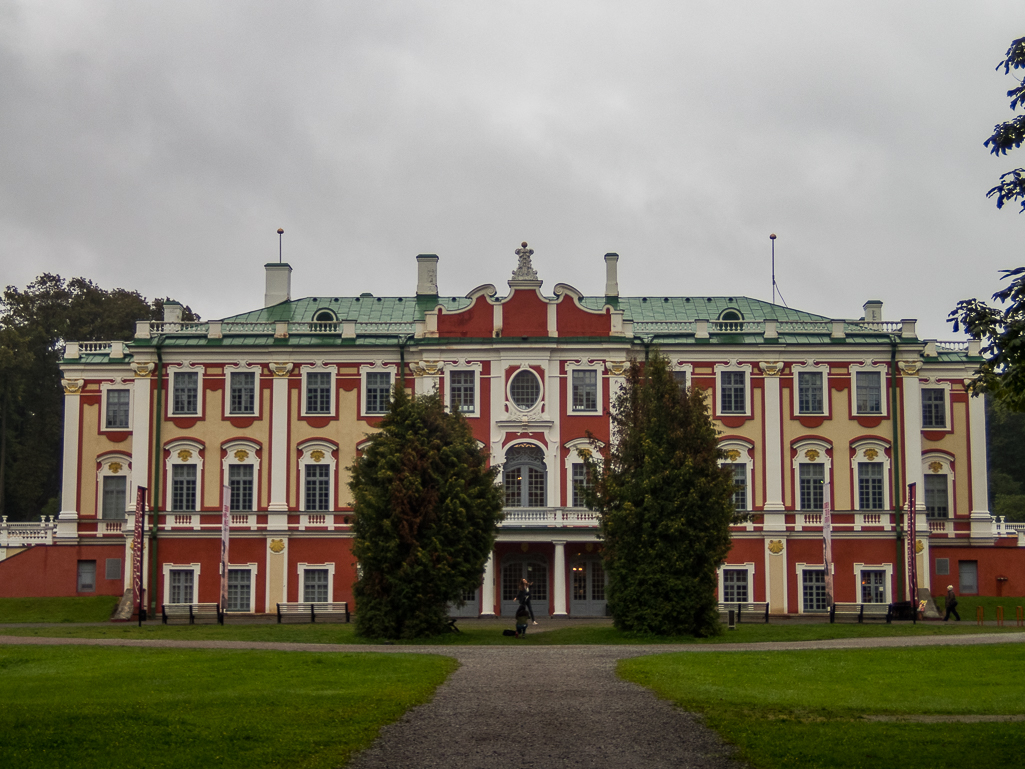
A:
{"x": 487, "y": 589}
{"x": 559, "y": 583}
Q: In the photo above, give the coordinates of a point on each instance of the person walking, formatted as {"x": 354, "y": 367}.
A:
{"x": 951, "y": 604}
{"x": 524, "y": 598}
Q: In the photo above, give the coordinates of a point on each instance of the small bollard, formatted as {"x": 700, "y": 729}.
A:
{"x": 733, "y": 620}
{"x": 979, "y": 615}
{"x": 1000, "y": 616}
{"x": 1019, "y": 616}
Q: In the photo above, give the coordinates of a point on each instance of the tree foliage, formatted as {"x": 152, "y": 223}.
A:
{"x": 34, "y": 325}
{"x": 426, "y": 516}
{"x": 1002, "y": 329}
{"x": 665, "y": 505}
{"x": 1005, "y": 437}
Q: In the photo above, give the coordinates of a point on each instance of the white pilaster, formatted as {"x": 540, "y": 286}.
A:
{"x": 279, "y": 439}
{"x": 913, "y": 435}
{"x": 141, "y": 390}
{"x": 487, "y": 591}
{"x": 67, "y": 520}
{"x": 982, "y": 522}
{"x": 559, "y": 583}
{"x": 775, "y": 519}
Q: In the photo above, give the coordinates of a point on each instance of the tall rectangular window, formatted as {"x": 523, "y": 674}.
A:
{"x": 811, "y": 478}
{"x": 734, "y": 586}
{"x": 936, "y": 503}
{"x": 318, "y": 487}
{"x": 813, "y": 590}
{"x": 240, "y": 482}
{"x": 318, "y": 392}
{"x": 114, "y": 490}
{"x": 732, "y": 392}
{"x": 739, "y": 485}
{"x": 934, "y": 408}
{"x": 183, "y": 487}
{"x": 243, "y": 393}
{"x": 680, "y": 377}
{"x": 809, "y": 392}
{"x": 870, "y": 485}
{"x": 461, "y": 391}
{"x": 239, "y": 589}
{"x": 873, "y": 586}
{"x": 117, "y": 409}
{"x": 185, "y": 399}
{"x": 182, "y": 581}
{"x": 585, "y": 390}
{"x": 378, "y": 391}
{"x": 581, "y": 483}
{"x": 315, "y": 585}
{"x": 869, "y": 396}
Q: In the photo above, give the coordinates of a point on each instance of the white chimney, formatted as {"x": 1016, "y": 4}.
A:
{"x": 611, "y": 274}
{"x": 873, "y": 310}
{"x": 172, "y": 312}
{"x": 279, "y": 283}
{"x": 427, "y": 275}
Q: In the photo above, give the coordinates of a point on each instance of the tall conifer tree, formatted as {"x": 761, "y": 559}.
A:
{"x": 665, "y": 504}
{"x": 426, "y": 516}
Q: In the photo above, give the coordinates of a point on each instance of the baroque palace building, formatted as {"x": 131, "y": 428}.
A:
{"x": 264, "y": 411}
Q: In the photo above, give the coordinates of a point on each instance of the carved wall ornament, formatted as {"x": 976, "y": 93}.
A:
{"x": 773, "y": 368}
{"x": 280, "y": 369}
{"x": 871, "y": 454}
{"x": 617, "y": 367}
{"x": 427, "y": 368}
{"x": 524, "y": 546}
{"x": 524, "y": 270}
{"x": 935, "y": 467}
{"x": 241, "y": 455}
{"x": 277, "y": 546}
{"x": 733, "y": 454}
{"x": 184, "y": 455}
{"x": 73, "y": 386}
{"x": 115, "y": 467}
{"x": 143, "y": 370}
{"x": 589, "y": 547}
{"x": 775, "y": 546}
{"x": 910, "y": 367}
{"x": 316, "y": 455}
{"x": 811, "y": 454}
{"x": 919, "y": 546}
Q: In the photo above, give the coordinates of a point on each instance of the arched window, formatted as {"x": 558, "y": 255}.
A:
{"x": 525, "y": 476}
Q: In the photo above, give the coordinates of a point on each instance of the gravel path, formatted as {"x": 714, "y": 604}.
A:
{"x": 543, "y": 706}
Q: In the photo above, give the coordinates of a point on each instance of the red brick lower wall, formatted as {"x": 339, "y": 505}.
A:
{"x": 46, "y": 571}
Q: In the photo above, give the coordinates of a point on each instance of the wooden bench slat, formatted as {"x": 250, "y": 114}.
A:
{"x": 312, "y": 611}
{"x": 192, "y": 612}
{"x": 760, "y": 608}
{"x": 861, "y": 611}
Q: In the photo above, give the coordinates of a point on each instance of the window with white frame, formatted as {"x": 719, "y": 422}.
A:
{"x": 525, "y": 389}
{"x": 116, "y": 409}
{"x": 240, "y": 485}
{"x": 869, "y": 391}
{"x": 812, "y": 468}
{"x": 240, "y": 588}
{"x": 318, "y": 392}
{"x": 115, "y": 491}
{"x": 871, "y": 467}
{"x": 525, "y": 476}
{"x": 180, "y": 584}
{"x": 184, "y": 473}
{"x": 810, "y": 392}
{"x": 934, "y": 408}
{"x": 740, "y": 501}
{"x": 732, "y": 392}
{"x": 680, "y": 377}
{"x": 242, "y": 392}
{"x": 462, "y": 391}
{"x": 813, "y": 590}
{"x": 873, "y": 586}
{"x": 317, "y": 467}
{"x": 734, "y": 585}
{"x": 584, "y": 385}
{"x": 936, "y": 479}
{"x": 377, "y": 382}
{"x": 740, "y": 464}
{"x": 317, "y": 582}
{"x": 241, "y": 470}
{"x": 185, "y": 393}
{"x": 582, "y": 482}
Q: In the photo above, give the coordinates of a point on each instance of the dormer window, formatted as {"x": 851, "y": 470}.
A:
{"x": 730, "y": 320}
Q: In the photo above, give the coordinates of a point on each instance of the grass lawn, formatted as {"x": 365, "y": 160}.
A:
{"x": 97, "y": 608}
{"x": 808, "y": 708}
{"x": 99, "y": 707}
{"x": 491, "y": 635}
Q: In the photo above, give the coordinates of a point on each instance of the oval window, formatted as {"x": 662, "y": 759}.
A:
{"x": 525, "y": 389}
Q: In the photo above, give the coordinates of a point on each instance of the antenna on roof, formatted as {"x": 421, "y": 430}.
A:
{"x": 775, "y": 288}
{"x": 282, "y": 232}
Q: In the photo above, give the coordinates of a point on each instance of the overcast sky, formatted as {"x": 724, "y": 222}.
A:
{"x": 159, "y": 147}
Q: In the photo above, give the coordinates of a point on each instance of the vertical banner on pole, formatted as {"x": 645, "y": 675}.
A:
{"x": 225, "y": 528}
{"x": 912, "y": 537}
{"x": 827, "y": 543}
{"x": 140, "y": 512}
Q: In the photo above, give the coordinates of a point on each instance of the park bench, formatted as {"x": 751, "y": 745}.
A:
{"x": 300, "y": 611}
{"x": 860, "y": 611}
{"x": 758, "y": 610}
{"x": 192, "y": 613}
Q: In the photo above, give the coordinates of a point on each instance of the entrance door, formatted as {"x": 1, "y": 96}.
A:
{"x": 469, "y": 609}
{"x": 968, "y": 577}
{"x": 587, "y": 588}
{"x": 533, "y": 568}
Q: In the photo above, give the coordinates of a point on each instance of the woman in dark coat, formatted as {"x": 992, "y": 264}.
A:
{"x": 524, "y": 598}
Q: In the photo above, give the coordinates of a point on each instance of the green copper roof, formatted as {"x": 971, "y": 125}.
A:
{"x": 644, "y": 309}
{"x": 361, "y": 309}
